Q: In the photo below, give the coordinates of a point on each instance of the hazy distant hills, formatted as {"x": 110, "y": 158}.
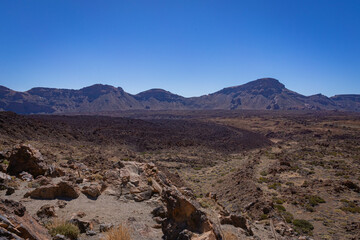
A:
{"x": 265, "y": 93}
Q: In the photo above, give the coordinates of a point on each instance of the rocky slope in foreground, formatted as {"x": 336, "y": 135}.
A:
{"x": 136, "y": 195}
{"x": 262, "y": 94}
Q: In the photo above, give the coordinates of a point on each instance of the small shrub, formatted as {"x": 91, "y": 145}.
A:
{"x": 263, "y": 173}
{"x": 119, "y": 233}
{"x": 64, "y": 228}
{"x": 309, "y": 208}
{"x": 315, "y": 200}
{"x": 204, "y": 204}
{"x": 350, "y": 206}
{"x": 303, "y": 226}
{"x": 280, "y": 208}
{"x": 264, "y": 216}
{"x": 278, "y": 200}
{"x": 274, "y": 186}
{"x": 263, "y": 180}
{"x": 6, "y": 162}
{"x": 351, "y": 209}
{"x": 288, "y": 217}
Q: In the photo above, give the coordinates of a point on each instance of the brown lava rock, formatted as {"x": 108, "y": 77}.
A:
{"x": 18, "y": 224}
{"x": 60, "y": 190}
{"x": 28, "y": 159}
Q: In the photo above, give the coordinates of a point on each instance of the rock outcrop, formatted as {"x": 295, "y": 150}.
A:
{"x": 16, "y": 223}
{"x": 25, "y": 158}
{"x": 185, "y": 220}
{"x": 60, "y": 190}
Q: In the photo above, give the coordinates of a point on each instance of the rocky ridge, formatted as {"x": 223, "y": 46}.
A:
{"x": 261, "y": 94}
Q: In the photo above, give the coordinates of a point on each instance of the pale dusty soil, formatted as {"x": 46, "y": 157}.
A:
{"x": 106, "y": 209}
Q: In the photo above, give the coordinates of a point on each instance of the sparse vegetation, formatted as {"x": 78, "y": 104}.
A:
{"x": 315, "y": 200}
{"x": 263, "y": 180}
{"x": 287, "y": 216}
{"x": 274, "y": 186}
{"x": 280, "y": 208}
{"x": 303, "y": 226}
{"x": 278, "y": 200}
{"x": 350, "y": 206}
{"x": 119, "y": 233}
{"x": 63, "y": 227}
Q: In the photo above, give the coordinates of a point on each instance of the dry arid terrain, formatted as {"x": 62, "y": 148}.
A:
{"x": 209, "y": 174}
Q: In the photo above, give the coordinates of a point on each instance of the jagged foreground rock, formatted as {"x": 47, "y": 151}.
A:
{"x": 128, "y": 184}
{"x": 184, "y": 220}
{"x": 16, "y": 223}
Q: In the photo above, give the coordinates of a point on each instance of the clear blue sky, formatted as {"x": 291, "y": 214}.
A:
{"x": 189, "y": 47}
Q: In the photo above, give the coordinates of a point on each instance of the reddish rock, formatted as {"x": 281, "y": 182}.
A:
{"x": 22, "y": 225}
{"x": 60, "y": 190}
{"x": 185, "y": 218}
{"x": 25, "y": 158}
{"x": 92, "y": 191}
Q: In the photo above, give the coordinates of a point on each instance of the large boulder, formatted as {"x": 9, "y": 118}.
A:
{"x": 60, "y": 190}
{"x": 184, "y": 220}
{"x": 93, "y": 191}
{"x": 25, "y": 158}
{"x": 237, "y": 221}
{"x": 16, "y": 223}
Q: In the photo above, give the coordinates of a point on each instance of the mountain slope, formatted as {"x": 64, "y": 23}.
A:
{"x": 159, "y": 99}
{"x": 349, "y": 102}
{"x": 266, "y": 93}
{"x": 262, "y": 94}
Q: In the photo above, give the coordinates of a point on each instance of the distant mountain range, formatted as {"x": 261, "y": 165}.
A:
{"x": 262, "y": 94}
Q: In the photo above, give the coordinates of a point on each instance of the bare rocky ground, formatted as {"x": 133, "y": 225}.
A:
{"x": 254, "y": 175}
{"x": 106, "y": 209}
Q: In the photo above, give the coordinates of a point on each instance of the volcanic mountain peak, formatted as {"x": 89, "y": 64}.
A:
{"x": 257, "y": 85}
{"x": 99, "y": 88}
{"x": 158, "y": 94}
